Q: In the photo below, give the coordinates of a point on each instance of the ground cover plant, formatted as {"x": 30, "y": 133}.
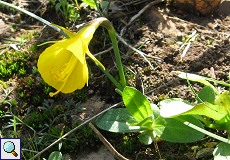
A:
{"x": 47, "y": 122}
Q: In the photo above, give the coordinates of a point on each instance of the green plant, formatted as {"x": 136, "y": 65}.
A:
{"x": 91, "y": 3}
{"x": 143, "y": 117}
{"x": 176, "y": 120}
{"x": 186, "y": 42}
{"x": 13, "y": 63}
{"x": 212, "y": 108}
{"x": 57, "y": 155}
{"x": 69, "y": 10}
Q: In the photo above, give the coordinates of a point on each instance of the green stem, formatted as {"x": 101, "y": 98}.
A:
{"x": 206, "y": 132}
{"x": 112, "y": 34}
{"x": 36, "y": 17}
{"x": 112, "y": 79}
{"x": 113, "y": 38}
{"x": 219, "y": 82}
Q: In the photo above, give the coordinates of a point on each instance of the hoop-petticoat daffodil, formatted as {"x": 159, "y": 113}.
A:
{"x": 63, "y": 64}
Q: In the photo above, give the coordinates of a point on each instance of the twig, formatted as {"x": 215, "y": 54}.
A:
{"x": 134, "y": 2}
{"x": 139, "y": 14}
{"x": 138, "y": 51}
{"x": 143, "y": 10}
{"x": 107, "y": 144}
{"x": 207, "y": 30}
{"x": 103, "y": 52}
{"x": 73, "y": 130}
{"x": 129, "y": 23}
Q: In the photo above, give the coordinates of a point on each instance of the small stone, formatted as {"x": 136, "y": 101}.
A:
{"x": 204, "y": 153}
{"x": 224, "y": 8}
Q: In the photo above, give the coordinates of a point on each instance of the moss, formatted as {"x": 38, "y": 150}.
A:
{"x": 37, "y": 120}
{"x": 13, "y": 63}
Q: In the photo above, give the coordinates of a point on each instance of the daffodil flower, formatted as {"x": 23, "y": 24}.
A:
{"x": 63, "y": 64}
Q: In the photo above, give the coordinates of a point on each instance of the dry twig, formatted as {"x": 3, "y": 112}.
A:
{"x": 107, "y": 144}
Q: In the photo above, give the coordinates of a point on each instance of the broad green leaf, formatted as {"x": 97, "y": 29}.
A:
{"x": 147, "y": 122}
{"x": 117, "y": 120}
{"x": 196, "y": 78}
{"x": 206, "y": 109}
{"x": 173, "y": 107}
{"x": 147, "y": 137}
{"x": 222, "y": 151}
{"x": 136, "y": 103}
{"x": 222, "y": 124}
{"x": 55, "y": 155}
{"x": 206, "y": 94}
{"x": 176, "y": 106}
{"x": 176, "y": 131}
{"x": 223, "y": 101}
{"x": 156, "y": 110}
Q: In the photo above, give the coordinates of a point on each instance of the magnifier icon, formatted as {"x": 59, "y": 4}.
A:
{"x": 9, "y": 147}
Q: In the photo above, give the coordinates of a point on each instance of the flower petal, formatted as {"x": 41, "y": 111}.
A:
{"x": 51, "y": 63}
{"x": 72, "y": 45}
{"x": 75, "y": 46}
{"x": 86, "y": 33}
{"x": 62, "y": 70}
{"x": 77, "y": 79}
{"x": 70, "y": 34}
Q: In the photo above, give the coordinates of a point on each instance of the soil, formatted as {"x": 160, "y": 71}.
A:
{"x": 157, "y": 32}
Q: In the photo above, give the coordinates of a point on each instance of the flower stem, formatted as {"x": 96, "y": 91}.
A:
{"x": 112, "y": 79}
{"x": 112, "y": 34}
{"x": 113, "y": 38}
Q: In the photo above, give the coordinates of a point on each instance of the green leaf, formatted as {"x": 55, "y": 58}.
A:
{"x": 91, "y": 3}
{"x": 222, "y": 124}
{"x": 147, "y": 137}
{"x": 206, "y": 94}
{"x": 176, "y": 106}
{"x": 117, "y": 120}
{"x": 136, "y": 103}
{"x": 222, "y": 151}
{"x": 176, "y": 131}
{"x": 55, "y": 155}
{"x": 173, "y": 107}
{"x": 223, "y": 101}
{"x": 193, "y": 77}
{"x": 196, "y": 78}
{"x": 156, "y": 110}
{"x": 206, "y": 109}
{"x": 4, "y": 85}
{"x": 147, "y": 122}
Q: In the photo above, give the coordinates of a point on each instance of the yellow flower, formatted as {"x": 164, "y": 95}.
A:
{"x": 63, "y": 64}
